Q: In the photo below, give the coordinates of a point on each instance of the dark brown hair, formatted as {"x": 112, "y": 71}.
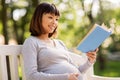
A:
{"x": 36, "y": 28}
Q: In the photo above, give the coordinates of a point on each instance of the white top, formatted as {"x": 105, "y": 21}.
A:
{"x": 43, "y": 62}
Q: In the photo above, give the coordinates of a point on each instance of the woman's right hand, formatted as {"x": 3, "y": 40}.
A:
{"x": 73, "y": 76}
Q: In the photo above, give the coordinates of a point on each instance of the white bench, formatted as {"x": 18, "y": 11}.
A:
{"x": 15, "y": 61}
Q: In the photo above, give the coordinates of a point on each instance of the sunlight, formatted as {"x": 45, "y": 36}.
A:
{"x": 18, "y": 13}
{"x": 65, "y": 0}
{"x": 117, "y": 29}
{"x": 62, "y": 7}
{"x": 2, "y": 39}
{"x": 9, "y": 1}
{"x": 107, "y": 42}
{"x": 113, "y": 4}
{"x": 114, "y": 1}
{"x": 12, "y": 42}
{"x": 70, "y": 16}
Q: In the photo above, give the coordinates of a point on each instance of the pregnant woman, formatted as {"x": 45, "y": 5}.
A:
{"x": 45, "y": 57}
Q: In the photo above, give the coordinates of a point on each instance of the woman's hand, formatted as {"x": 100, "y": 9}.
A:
{"x": 73, "y": 76}
{"x": 92, "y": 56}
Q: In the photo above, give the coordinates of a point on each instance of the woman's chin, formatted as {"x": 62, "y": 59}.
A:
{"x": 51, "y": 31}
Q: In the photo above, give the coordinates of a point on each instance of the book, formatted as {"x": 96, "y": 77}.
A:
{"x": 94, "y": 38}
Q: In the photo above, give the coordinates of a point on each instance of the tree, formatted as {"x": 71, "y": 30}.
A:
{"x": 4, "y": 20}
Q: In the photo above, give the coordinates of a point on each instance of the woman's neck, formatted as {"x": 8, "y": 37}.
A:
{"x": 48, "y": 41}
{"x": 44, "y": 37}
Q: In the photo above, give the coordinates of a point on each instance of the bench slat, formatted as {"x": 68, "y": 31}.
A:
{"x": 3, "y": 68}
{"x": 10, "y": 49}
{"x": 22, "y": 67}
{"x": 13, "y": 59}
{"x": 94, "y": 77}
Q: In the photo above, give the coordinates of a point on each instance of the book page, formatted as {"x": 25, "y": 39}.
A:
{"x": 106, "y": 28}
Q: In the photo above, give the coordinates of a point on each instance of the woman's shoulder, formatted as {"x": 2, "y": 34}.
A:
{"x": 33, "y": 40}
{"x": 58, "y": 40}
{"x": 30, "y": 39}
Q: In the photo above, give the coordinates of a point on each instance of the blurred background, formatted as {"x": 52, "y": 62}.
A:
{"x": 77, "y": 18}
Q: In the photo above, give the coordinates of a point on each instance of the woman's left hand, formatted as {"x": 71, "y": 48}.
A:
{"x": 92, "y": 56}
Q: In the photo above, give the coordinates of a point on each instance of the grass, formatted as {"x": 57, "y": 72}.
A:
{"x": 20, "y": 72}
{"x": 112, "y": 69}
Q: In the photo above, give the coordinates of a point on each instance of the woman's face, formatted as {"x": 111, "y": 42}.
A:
{"x": 49, "y": 22}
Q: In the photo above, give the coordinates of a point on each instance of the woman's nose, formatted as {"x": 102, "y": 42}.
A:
{"x": 54, "y": 21}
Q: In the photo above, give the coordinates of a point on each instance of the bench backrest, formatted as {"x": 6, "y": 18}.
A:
{"x": 10, "y": 55}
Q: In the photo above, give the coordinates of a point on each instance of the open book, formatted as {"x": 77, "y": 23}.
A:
{"x": 94, "y": 38}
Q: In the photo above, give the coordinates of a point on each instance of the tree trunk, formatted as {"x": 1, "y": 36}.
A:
{"x": 88, "y": 13}
{"x": 5, "y": 33}
{"x": 101, "y": 60}
{"x": 4, "y": 21}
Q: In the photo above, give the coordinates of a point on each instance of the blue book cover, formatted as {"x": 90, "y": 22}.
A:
{"x": 93, "y": 39}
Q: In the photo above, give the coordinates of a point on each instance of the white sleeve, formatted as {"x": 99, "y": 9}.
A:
{"x": 84, "y": 67}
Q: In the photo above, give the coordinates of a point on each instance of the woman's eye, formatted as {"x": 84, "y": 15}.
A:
{"x": 57, "y": 19}
{"x": 50, "y": 17}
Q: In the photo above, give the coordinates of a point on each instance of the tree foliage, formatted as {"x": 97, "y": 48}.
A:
{"x": 77, "y": 17}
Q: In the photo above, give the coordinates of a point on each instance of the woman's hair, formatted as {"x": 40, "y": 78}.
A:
{"x": 36, "y": 27}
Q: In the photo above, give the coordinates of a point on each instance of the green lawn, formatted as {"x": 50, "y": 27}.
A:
{"x": 112, "y": 69}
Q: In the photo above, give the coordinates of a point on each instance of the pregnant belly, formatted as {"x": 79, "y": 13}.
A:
{"x": 61, "y": 68}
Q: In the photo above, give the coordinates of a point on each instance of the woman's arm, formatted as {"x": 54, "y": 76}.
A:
{"x": 91, "y": 60}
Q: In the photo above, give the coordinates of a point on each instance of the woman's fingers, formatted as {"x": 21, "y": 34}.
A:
{"x": 76, "y": 74}
{"x": 96, "y": 50}
{"x": 92, "y": 56}
{"x": 73, "y": 76}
